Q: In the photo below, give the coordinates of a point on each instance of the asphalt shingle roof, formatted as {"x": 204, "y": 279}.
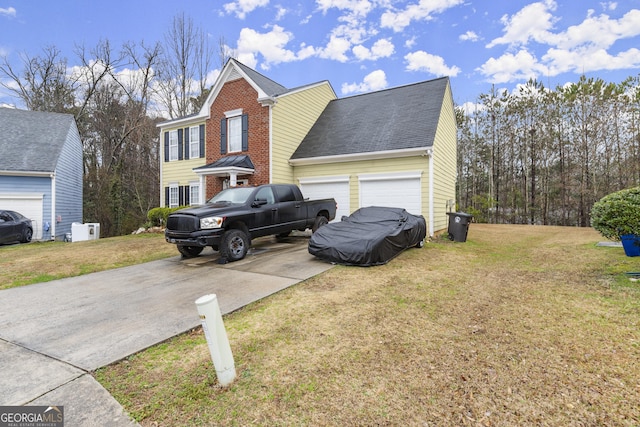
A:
{"x": 391, "y": 119}
{"x": 269, "y": 87}
{"x": 239, "y": 161}
{"x": 31, "y": 141}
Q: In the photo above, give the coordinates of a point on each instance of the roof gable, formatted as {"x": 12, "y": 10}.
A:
{"x": 400, "y": 118}
{"x": 234, "y": 70}
{"x": 31, "y": 141}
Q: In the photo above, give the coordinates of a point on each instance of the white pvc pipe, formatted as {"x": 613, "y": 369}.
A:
{"x": 216, "y": 335}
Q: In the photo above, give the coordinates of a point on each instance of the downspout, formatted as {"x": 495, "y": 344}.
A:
{"x": 202, "y": 189}
{"x": 161, "y": 161}
{"x": 431, "y": 198}
{"x": 271, "y": 143}
{"x": 52, "y": 228}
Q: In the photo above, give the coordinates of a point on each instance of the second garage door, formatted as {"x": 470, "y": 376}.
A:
{"x": 401, "y": 190}
{"x": 336, "y": 187}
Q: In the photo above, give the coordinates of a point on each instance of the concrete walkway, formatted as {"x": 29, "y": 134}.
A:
{"x": 54, "y": 334}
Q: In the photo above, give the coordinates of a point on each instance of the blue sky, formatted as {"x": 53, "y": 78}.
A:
{"x": 361, "y": 45}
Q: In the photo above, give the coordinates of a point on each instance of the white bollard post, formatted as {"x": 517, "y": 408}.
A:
{"x": 216, "y": 335}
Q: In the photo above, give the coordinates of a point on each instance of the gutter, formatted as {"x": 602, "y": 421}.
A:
{"x": 373, "y": 155}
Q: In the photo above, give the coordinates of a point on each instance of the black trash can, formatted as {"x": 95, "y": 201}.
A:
{"x": 459, "y": 226}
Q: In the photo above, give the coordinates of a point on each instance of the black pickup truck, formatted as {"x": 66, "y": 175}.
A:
{"x": 234, "y": 216}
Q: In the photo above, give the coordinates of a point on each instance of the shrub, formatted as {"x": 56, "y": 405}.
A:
{"x": 617, "y": 214}
{"x": 158, "y": 216}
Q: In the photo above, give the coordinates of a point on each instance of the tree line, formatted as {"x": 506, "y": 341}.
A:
{"x": 118, "y": 95}
{"x": 533, "y": 156}
{"x": 541, "y": 156}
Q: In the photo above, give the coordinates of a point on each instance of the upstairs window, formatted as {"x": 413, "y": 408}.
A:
{"x": 173, "y": 145}
{"x": 234, "y": 132}
{"x": 194, "y": 142}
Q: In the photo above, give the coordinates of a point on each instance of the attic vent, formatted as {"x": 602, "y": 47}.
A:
{"x": 234, "y": 75}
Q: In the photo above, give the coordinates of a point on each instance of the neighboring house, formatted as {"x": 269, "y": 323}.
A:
{"x": 41, "y": 170}
{"x": 395, "y": 147}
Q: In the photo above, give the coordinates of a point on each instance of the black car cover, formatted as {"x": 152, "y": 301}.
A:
{"x": 369, "y": 236}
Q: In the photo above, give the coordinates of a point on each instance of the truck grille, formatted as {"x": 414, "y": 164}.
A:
{"x": 182, "y": 223}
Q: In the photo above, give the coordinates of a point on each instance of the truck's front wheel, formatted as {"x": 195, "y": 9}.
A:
{"x": 189, "y": 251}
{"x": 235, "y": 245}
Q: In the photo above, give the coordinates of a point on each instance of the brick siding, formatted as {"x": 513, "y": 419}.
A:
{"x": 238, "y": 94}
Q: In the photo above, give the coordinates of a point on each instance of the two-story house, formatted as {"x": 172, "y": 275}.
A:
{"x": 395, "y": 147}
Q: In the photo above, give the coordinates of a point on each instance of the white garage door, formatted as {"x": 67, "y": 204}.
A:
{"x": 327, "y": 187}
{"x": 392, "y": 190}
{"x": 29, "y": 205}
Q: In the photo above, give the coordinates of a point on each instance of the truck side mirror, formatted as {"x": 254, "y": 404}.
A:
{"x": 258, "y": 202}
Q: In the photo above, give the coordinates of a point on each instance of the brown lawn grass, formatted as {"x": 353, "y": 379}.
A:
{"x": 520, "y": 325}
{"x": 43, "y": 261}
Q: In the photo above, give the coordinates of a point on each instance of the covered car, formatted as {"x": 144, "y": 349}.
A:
{"x": 369, "y": 236}
{"x": 14, "y": 227}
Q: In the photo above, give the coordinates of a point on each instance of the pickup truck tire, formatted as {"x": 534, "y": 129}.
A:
{"x": 319, "y": 222}
{"x": 189, "y": 251}
{"x": 235, "y": 245}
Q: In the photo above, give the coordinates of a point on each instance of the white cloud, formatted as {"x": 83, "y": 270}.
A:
{"x": 336, "y": 49}
{"x": 281, "y": 12}
{"x": 469, "y": 36}
{"x": 421, "y": 11}
{"x": 382, "y": 48}
{"x": 578, "y": 49}
{"x": 358, "y": 7}
{"x": 10, "y": 11}
{"x": 373, "y": 81}
{"x": 410, "y": 43}
{"x": 509, "y": 67}
{"x": 271, "y": 45}
{"x": 601, "y": 32}
{"x": 532, "y": 22}
{"x": 432, "y": 64}
{"x": 241, "y": 7}
{"x": 561, "y": 61}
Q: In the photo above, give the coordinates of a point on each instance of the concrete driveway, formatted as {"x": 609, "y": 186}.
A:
{"x": 52, "y": 335}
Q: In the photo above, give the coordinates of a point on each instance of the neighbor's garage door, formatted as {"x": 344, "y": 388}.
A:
{"x": 392, "y": 190}
{"x": 29, "y": 205}
{"x": 328, "y": 187}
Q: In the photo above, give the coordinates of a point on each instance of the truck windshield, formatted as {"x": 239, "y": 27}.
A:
{"x": 233, "y": 195}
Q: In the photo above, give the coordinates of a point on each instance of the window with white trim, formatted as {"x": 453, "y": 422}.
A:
{"x": 194, "y": 142}
{"x": 174, "y": 196}
{"x": 194, "y": 193}
{"x": 173, "y": 145}
{"x": 234, "y": 134}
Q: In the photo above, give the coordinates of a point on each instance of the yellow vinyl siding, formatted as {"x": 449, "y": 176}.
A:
{"x": 179, "y": 172}
{"x": 444, "y": 162}
{"x": 357, "y": 168}
{"x": 292, "y": 117}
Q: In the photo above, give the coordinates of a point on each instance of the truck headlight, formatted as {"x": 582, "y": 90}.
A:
{"x": 211, "y": 222}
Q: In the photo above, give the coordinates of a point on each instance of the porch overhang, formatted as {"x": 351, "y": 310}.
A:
{"x": 227, "y": 166}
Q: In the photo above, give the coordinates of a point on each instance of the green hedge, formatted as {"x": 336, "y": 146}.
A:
{"x": 158, "y": 216}
{"x": 617, "y": 214}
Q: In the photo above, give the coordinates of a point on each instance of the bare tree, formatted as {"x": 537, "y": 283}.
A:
{"x": 43, "y": 84}
{"x": 182, "y": 74}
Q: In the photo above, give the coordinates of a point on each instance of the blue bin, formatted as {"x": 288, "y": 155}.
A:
{"x": 631, "y": 244}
